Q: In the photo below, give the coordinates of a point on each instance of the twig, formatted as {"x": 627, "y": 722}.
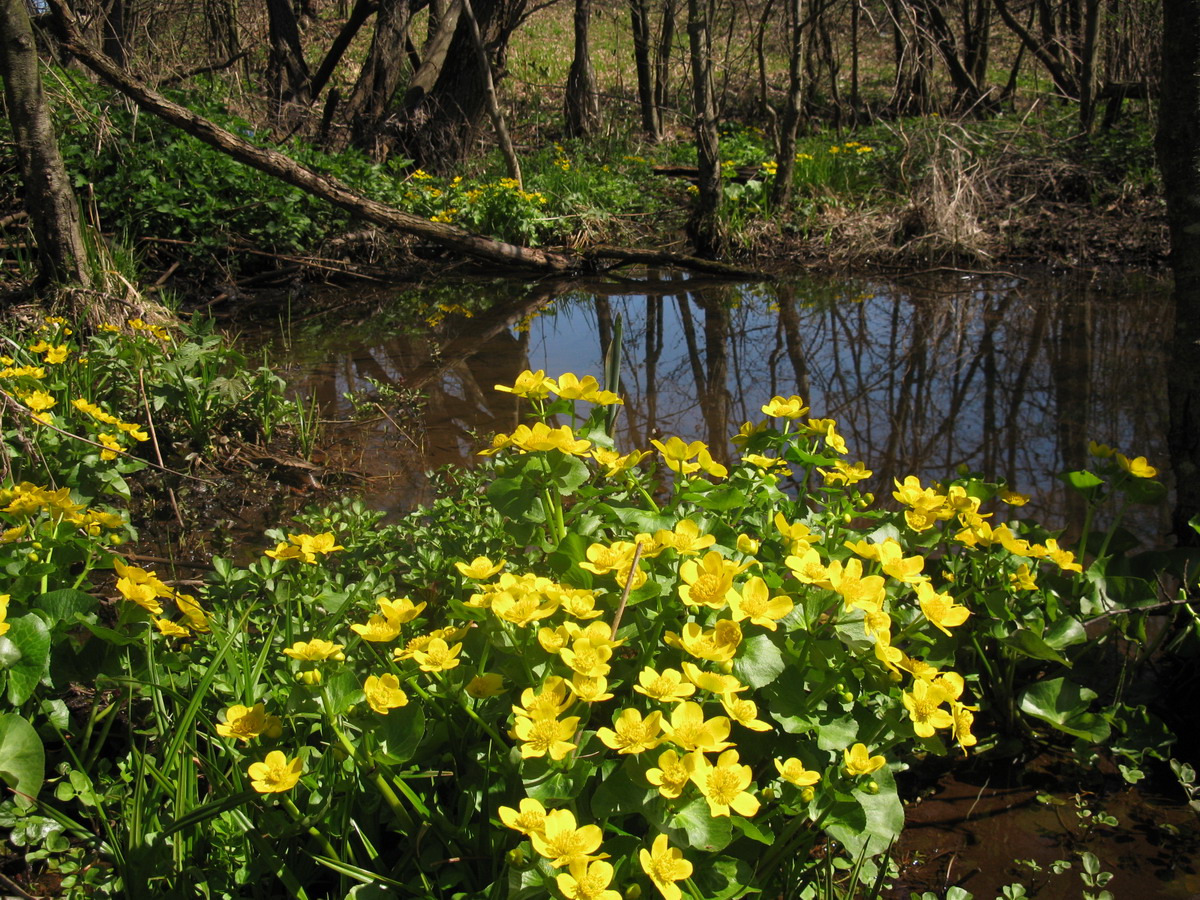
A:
{"x": 1167, "y": 604}
{"x": 399, "y": 430}
{"x": 637, "y": 555}
{"x": 154, "y": 441}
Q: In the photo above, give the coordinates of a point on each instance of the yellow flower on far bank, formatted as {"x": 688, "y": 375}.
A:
{"x": 275, "y": 774}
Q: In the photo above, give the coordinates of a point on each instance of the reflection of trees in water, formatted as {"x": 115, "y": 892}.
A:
{"x": 1010, "y": 379}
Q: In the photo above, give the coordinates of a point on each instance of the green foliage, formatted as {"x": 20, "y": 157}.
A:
{"x": 677, "y": 664}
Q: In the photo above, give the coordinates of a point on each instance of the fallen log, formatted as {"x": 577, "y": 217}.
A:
{"x": 283, "y": 167}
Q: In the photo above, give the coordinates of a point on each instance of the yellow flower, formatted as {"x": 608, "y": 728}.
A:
{"x": 1012, "y": 498}
{"x": 590, "y": 688}
{"x": 4, "y": 625}
{"x": 400, "y": 610}
{"x": 665, "y": 865}
{"x": 1137, "y": 467}
{"x": 488, "y": 684}
{"x": 588, "y": 881}
{"x": 563, "y": 843}
{"x": 377, "y": 630}
{"x": 755, "y": 603}
{"x": 529, "y": 818}
{"x": 940, "y": 609}
{"x": 808, "y": 568}
{"x": 480, "y": 569}
{"x": 964, "y": 717}
{"x": 856, "y": 590}
{"x": 383, "y": 693}
{"x": 587, "y": 658}
{"x": 550, "y": 703}
{"x": 56, "y": 355}
{"x": 671, "y": 776}
{"x": 437, "y": 656}
{"x": 712, "y": 682}
{"x": 614, "y": 464}
{"x": 860, "y": 762}
{"x": 631, "y": 734}
{"x": 924, "y": 705}
{"x": 785, "y": 407}
{"x": 668, "y": 687}
{"x": 686, "y": 538}
{"x": 748, "y": 545}
{"x": 545, "y": 735}
{"x": 844, "y": 473}
{"x": 534, "y": 385}
{"x": 1023, "y": 579}
{"x": 689, "y": 730}
{"x": 246, "y": 722}
{"x": 315, "y": 650}
{"x": 792, "y": 771}
{"x": 111, "y": 446}
{"x": 718, "y": 645}
{"x": 275, "y": 774}
{"x": 167, "y": 628}
{"x": 744, "y": 712}
{"x": 305, "y": 547}
{"x": 724, "y": 785}
{"x": 39, "y": 401}
{"x": 708, "y": 582}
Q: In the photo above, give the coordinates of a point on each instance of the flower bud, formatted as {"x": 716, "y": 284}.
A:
{"x": 871, "y": 787}
{"x": 311, "y": 677}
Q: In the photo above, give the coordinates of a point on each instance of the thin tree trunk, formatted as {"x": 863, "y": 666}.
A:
{"x": 582, "y": 101}
{"x": 662, "y": 62}
{"x": 53, "y": 210}
{"x": 705, "y": 226}
{"x": 289, "y": 72}
{"x": 358, "y": 16}
{"x": 639, "y": 13}
{"x": 785, "y": 161}
{"x": 1087, "y": 67}
{"x": 380, "y": 75}
{"x": 493, "y": 103}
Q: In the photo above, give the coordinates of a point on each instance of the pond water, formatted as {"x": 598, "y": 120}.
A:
{"x": 1003, "y": 375}
{"x": 1010, "y": 376}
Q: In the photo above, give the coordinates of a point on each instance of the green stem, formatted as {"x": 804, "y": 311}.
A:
{"x": 311, "y": 829}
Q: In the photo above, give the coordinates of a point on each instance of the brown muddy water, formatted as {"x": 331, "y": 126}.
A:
{"x": 1005, "y": 375}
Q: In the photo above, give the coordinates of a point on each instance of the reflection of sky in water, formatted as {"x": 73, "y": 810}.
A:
{"x": 1007, "y": 378}
{"x": 995, "y": 380}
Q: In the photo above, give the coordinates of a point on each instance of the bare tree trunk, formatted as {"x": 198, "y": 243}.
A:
{"x": 358, "y": 16}
{"x": 639, "y": 12}
{"x": 53, "y": 210}
{"x": 438, "y": 130}
{"x": 493, "y": 102}
{"x": 662, "y": 62}
{"x": 785, "y": 161}
{"x": 380, "y": 75}
{"x": 1087, "y": 67}
{"x": 583, "y": 101}
{"x": 1178, "y": 147}
{"x": 704, "y": 226}
{"x": 287, "y": 71}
